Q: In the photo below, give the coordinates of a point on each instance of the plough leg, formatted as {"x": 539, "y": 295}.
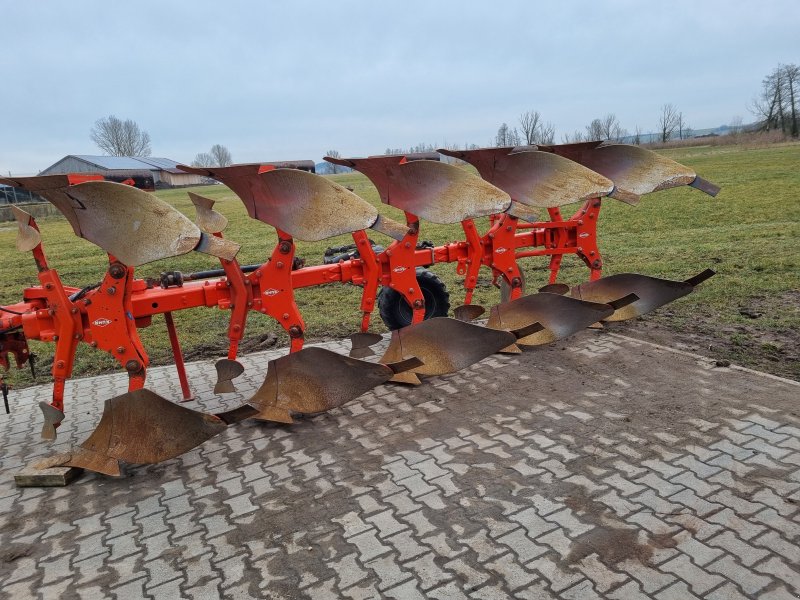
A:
{"x": 177, "y": 354}
{"x": 276, "y": 295}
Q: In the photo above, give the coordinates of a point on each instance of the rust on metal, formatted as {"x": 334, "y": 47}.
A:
{"x": 468, "y": 312}
{"x": 434, "y": 191}
{"x": 238, "y": 414}
{"x": 634, "y": 170}
{"x": 652, "y": 292}
{"x": 315, "y": 380}
{"x": 387, "y": 226}
{"x": 360, "y": 344}
{"x": 561, "y": 316}
{"x": 483, "y": 159}
{"x": 140, "y": 427}
{"x": 522, "y": 211}
{"x": 208, "y": 219}
{"x": 306, "y": 206}
{"x": 52, "y": 417}
{"x": 217, "y": 246}
{"x": 227, "y": 371}
{"x": 555, "y": 288}
{"x": 535, "y": 178}
{"x": 447, "y": 345}
{"x": 705, "y": 186}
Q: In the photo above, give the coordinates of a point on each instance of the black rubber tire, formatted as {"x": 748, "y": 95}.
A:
{"x": 395, "y": 311}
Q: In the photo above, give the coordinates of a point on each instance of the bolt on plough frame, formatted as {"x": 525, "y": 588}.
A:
{"x": 134, "y": 228}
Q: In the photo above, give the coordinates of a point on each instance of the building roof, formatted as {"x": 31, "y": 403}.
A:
{"x": 129, "y": 163}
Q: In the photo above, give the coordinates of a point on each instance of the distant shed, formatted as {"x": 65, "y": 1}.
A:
{"x": 162, "y": 170}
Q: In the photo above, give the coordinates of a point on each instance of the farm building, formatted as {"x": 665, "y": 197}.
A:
{"x": 162, "y": 170}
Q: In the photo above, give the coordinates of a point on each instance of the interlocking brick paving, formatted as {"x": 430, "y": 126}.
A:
{"x": 604, "y": 467}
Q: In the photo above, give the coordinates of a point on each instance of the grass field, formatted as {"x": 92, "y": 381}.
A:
{"x": 749, "y": 234}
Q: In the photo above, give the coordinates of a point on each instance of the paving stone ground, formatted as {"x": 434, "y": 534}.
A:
{"x": 602, "y": 468}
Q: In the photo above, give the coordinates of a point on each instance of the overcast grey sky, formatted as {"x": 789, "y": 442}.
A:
{"x": 291, "y": 80}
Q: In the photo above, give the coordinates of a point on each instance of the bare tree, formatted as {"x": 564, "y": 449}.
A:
{"x": 574, "y": 137}
{"x": 791, "y": 80}
{"x": 764, "y": 107}
{"x": 594, "y": 130}
{"x": 530, "y": 121}
{"x": 203, "y": 159}
{"x": 120, "y": 138}
{"x": 637, "y": 136}
{"x": 221, "y": 155}
{"x": 501, "y": 139}
{"x": 534, "y": 130}
{"x": 547, "y": 134}
{"x": 607, "y": 128}
{"x": 681, "y": 126}
{"x": 668, "y": 122}
{"x": 334, "y": 168}
{"x": 610, "y": 128}
{"x": 777, "y": 105}
{"x": 735, "y": 128}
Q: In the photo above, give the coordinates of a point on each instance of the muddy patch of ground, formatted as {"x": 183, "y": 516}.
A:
{"x": 756, "y": 342}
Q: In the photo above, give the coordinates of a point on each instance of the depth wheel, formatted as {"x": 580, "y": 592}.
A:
{"x": 395, "y": 311}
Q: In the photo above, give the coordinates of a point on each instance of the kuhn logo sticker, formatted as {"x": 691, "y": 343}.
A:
{"x": 500, "y": 250}
{"x": 400, "y": 269}
{"x": 102, "y": 322}
{"x": 271, "y": 292}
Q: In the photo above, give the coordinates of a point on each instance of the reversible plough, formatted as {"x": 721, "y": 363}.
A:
{"x": 135, "y": 227}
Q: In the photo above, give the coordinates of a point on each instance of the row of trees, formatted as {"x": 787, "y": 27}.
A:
{"x": 776, "y": 109}
{"x": 532, "y": 130}
{"x": 777, "y": 105}
{"x": 672, "y": 125}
